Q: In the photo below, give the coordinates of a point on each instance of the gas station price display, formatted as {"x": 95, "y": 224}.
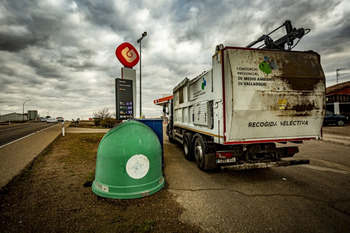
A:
{"x": 124, "y": 102}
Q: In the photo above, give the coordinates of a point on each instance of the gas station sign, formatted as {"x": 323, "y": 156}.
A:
{"x": 127, "y": 55}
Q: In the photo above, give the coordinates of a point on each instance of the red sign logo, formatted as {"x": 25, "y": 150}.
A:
{"x": 127, "y": 55}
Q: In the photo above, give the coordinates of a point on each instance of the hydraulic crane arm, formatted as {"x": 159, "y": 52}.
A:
{"x": 292, "y": 34}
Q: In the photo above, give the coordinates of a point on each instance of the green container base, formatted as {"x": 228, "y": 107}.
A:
{"x": 129, "y": 162}
{"x": 129, "y": 192}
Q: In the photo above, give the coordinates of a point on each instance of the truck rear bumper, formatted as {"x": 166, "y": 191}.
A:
{"x": 246, "y": 166}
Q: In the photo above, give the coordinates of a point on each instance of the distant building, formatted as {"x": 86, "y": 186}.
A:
{"x": 32, "y": 115}
{"x": 13, "y": 117}
{"x": 338, "y": 98}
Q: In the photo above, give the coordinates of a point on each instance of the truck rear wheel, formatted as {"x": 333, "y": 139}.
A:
{"x": 187, "y": 143}
{"x": 205, "y": 161}
{"x": 171, "y": 139}
{"x": 169, "y": 132}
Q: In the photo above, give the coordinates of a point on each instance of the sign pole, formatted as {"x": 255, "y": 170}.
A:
{"x": 140, "y": 86}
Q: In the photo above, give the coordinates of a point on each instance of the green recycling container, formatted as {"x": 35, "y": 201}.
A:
{"x": 128, "y": 162}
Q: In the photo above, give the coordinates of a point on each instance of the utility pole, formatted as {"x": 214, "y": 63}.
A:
{"x": 338, "y": 73}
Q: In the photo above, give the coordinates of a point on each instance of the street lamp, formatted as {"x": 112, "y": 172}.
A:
{"x": 139, "y": 41}
{"x": 23, "y": 108}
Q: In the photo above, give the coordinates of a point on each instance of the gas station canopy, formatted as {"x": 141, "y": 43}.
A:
{"x": 163, "y": 100}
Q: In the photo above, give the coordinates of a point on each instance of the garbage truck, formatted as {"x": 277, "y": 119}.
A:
{"x": 252, "y": 108}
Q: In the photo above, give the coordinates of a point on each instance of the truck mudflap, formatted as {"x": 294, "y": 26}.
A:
{"x": 247, "y": 166}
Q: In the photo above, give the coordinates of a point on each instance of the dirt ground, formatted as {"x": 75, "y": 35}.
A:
{"x": 54, "y": 195}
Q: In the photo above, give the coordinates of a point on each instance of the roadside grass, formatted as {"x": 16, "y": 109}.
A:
{"x": 86, "y": 124}
{"x": 81, "y": 147}
{"x": 90, "y": 176}
{"x": 54, "y": 195}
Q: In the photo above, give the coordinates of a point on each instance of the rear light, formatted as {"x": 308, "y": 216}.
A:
{"x": 292, "y": 150}
{"x": 224, "y": 155}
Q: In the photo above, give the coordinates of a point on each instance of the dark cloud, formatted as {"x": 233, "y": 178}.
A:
{"x": 14, "y": 43}
{"x": 61, "y": 55}
{"x": 24, "y": 26}
{"x": 46, "y": 69}
{"x": 109, "y": 14}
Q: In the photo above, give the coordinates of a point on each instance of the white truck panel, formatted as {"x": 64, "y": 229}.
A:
{"x": 254, "y": 95}
{"x": 272, "y": 95}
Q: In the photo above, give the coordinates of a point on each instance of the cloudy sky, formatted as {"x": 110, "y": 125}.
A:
{"x": 61, "y": 53}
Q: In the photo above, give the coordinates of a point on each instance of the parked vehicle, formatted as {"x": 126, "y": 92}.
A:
{"x": 45, "y": 119}
{"x": 241, "y": 113}
{"x": 51, "y": 120}
{"x": 60, "y": 119}
{"x": 331, "y": 118}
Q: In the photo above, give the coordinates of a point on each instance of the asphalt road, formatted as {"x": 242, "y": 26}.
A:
{"x": 303, "y": 198}
{"x": 18, "y": 154}
{"x": 13, "y": 132}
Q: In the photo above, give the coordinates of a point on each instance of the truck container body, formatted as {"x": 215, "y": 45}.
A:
{"x": 250, "y": 100}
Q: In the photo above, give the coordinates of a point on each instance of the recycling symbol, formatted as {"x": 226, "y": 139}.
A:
{"x": 204, "y": 83}
{"x": 267, "y": 66}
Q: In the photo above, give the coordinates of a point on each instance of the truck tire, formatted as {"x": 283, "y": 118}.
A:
{"x": 205, "y": 161}
{"x": 169, "y": 132}
{"x": 188, "y": 148}
{"x": 171, "y": 140}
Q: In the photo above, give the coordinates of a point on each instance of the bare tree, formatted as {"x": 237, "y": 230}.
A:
{"x": 103, "y": 113}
